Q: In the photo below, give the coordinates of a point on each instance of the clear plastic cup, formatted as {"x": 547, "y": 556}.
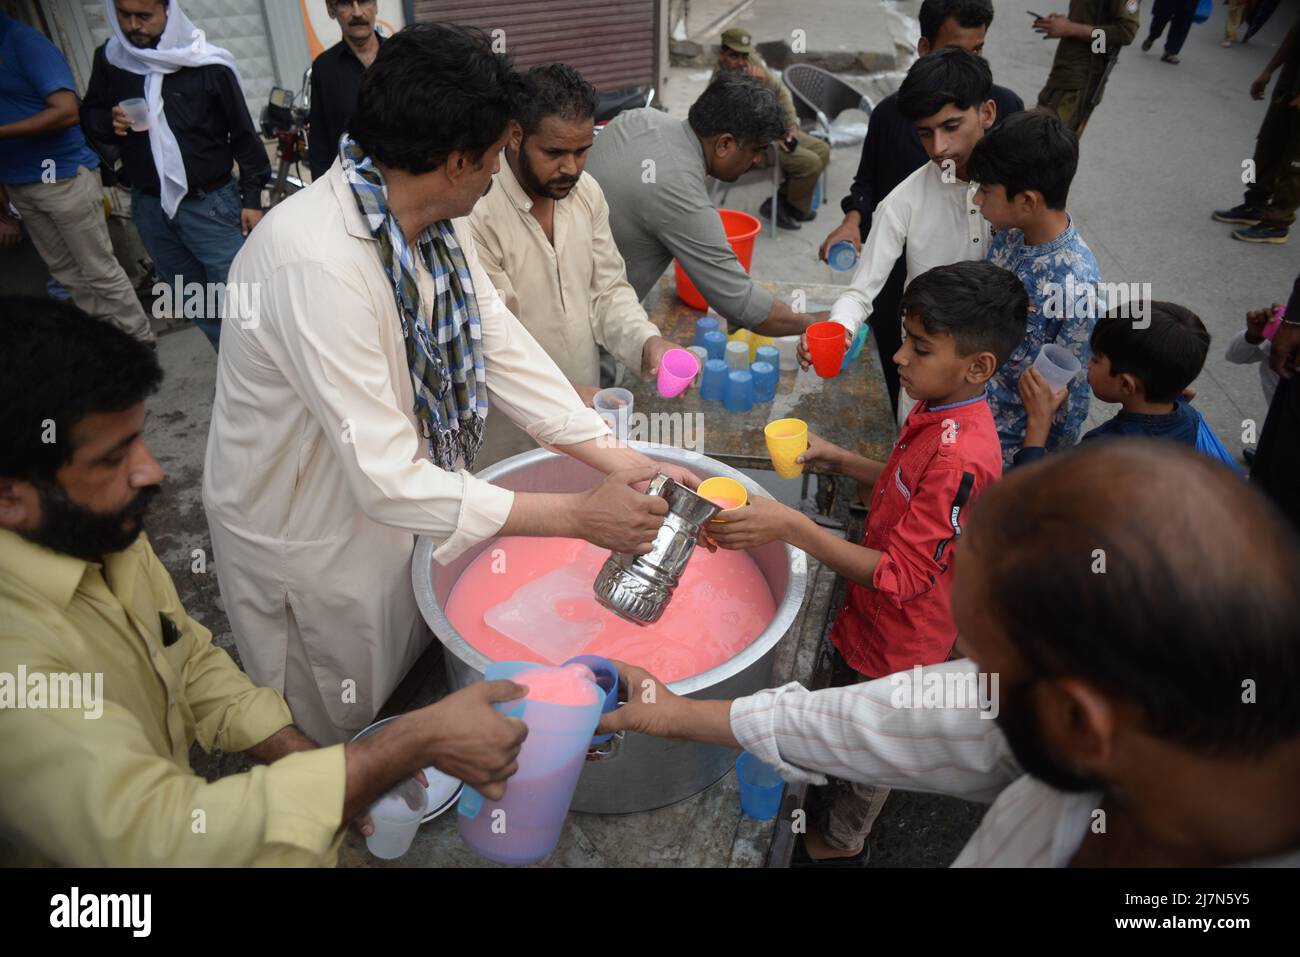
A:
{"x": 701, "y": 356}
{"x": 137, "y": 111}
{"x": 615, "y": 407}
{"x": 787, "y": 439}
{"x": 395, "y": 818}
{"x": 788, "y": 349}
{"x": 1058, "y": 365}
{"x": 760, "y": 787}
{"x": 677, "y": 370}
{"x": 737, "y": 355}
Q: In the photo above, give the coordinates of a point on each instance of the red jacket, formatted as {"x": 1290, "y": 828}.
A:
{"x": 941, "y": 461}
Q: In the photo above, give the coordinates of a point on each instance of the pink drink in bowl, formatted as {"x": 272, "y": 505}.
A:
{"x": 561, "y": 710}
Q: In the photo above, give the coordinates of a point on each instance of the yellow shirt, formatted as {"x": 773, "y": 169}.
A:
{"x": 117, "y": 789}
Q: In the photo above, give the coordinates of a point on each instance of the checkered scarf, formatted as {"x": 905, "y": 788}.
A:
{"x": 444, "y": 344}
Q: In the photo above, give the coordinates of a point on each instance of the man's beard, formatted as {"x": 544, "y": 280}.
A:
{"x": 556, "y": 189}
{"x": 69, "y": 529}
{"x": 1018, "y": 720}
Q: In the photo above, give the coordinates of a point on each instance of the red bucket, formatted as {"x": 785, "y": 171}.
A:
{"x": 741, "y": 229}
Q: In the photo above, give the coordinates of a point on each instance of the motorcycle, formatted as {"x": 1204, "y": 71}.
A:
{"x": 284, "y": 122}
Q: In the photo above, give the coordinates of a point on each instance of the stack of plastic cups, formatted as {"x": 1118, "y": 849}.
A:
{"x": 765, "y": 376}
{"x": 715, "y": 344}
{"x": 713, "y": 382}
{"x": 702, "y": 356}
{"x": 739, "y": 395}
{"x": 737, "y": 355}
{"x": 703, "y": 326}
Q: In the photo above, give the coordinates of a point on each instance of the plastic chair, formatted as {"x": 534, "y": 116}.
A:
{"x": 718, "y": 190}
{"x": 819, "y": 97}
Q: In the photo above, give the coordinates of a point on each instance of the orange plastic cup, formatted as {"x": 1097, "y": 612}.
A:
{"x": 826, "y": 347}
{"x": 725, "y": 493}
{"x": 787, "y": 439}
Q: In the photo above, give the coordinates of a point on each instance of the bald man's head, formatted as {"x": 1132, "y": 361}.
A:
{"x": 1151, "y": 573}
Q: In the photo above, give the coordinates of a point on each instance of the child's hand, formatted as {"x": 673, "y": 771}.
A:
{"x": 763, "y": 520}
{"x": 823, "y": 453}
{"x": 1256, "y": 320}
{"x": 1040, "y": 402}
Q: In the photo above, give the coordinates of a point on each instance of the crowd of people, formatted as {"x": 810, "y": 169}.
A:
{"x": 469, "y": 245}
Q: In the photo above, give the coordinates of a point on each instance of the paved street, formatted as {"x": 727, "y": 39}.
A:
{"x": 1164, "y": 149}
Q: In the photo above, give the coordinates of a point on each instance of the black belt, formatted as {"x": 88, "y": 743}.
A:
{"x": 201, "y": 192}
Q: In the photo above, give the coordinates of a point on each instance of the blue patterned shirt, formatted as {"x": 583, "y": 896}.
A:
{"x": 1065, "y": 298}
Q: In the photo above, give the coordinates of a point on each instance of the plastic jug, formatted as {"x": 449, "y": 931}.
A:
{"x": 524, "y": 826}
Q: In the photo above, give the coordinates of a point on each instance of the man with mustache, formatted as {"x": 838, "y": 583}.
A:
{"x": 336, "y": 77}
{"x": 82, "y": 592}
{"x": 192, "y": 215}
{"x": 1147, "y": 713}
{"x": 544, "y": 239}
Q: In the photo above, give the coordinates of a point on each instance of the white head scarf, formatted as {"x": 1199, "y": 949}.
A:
{"x": 181, "y": 45}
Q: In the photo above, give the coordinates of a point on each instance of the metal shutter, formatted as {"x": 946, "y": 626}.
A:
{"x": 612, "y": 43}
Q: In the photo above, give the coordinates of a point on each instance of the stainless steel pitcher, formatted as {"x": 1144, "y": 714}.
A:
{"x": 639, "y": 587}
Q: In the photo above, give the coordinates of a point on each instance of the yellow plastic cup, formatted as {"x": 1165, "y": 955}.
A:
{"x": 787, "y": 439}
{"x": 723, "y": 492}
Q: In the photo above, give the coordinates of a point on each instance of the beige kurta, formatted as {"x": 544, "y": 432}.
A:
{"x": 572, "y": 295}
{"x": 316, "y": 479}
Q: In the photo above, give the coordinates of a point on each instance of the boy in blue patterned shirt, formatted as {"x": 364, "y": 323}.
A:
{"x": 1024, "y": 169}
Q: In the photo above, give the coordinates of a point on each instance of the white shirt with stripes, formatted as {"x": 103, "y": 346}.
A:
{"x": 868, "y": 733}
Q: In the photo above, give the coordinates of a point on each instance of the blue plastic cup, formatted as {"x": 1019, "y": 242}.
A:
{"x": 713, "y": 385}
{"x": 765, "y": 376}
{"x": 769, "y": 354}
{"x": 739, "y": 396}
{"x": 607, "y": 680}
{"x": 760, "y": 787}
{"x": 855, "y": 347}
{"x": 525, "y": 825}
{"x": 841, "y": 256}
{"x": 715, "y": 343}
{"x": 703, "y": 325}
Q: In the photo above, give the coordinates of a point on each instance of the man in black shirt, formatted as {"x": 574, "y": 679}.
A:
{"x": 191, "y": 216}
{"x": 336, "y": 76}
{"x": 892, "y": 152}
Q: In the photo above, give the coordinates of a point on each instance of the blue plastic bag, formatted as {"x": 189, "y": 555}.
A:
{"x": 1203, "y": 10}
{"x": 1208, "y": 442}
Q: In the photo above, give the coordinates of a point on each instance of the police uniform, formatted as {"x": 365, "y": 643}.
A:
{"x": 1079, "y": 75}
{"x": 805, "y": 163}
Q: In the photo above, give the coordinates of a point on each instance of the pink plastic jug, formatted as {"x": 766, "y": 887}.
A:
{"x": 561, "y": 710}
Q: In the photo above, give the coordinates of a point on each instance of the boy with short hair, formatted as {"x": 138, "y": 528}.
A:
{"x": 1143, "y": 369}
{"x": 946, "y": 96}
{"x": 1024, "y": 169}
{"x": 960, "y": 323}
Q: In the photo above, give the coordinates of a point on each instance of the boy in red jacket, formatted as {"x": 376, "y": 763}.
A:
{"x": 960, "y": 324}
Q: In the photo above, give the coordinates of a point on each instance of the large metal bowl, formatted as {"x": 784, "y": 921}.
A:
{"x": 636, "y": 772}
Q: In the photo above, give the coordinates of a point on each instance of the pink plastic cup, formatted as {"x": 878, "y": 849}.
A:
{"x": 677, "y": 370}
